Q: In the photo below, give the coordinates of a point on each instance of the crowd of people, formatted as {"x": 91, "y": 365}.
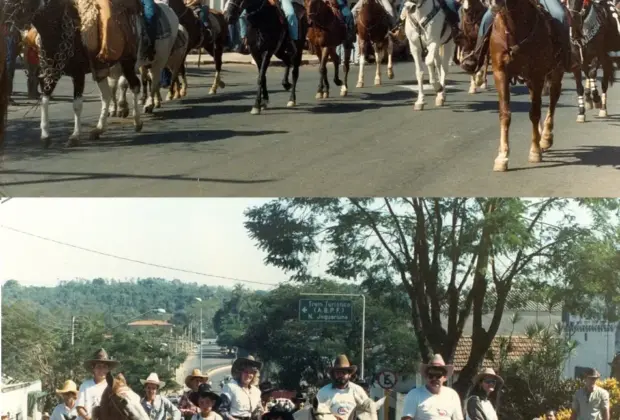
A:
{"x": 243, "y": 398}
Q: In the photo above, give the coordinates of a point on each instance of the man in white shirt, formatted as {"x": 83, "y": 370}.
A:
{"x": 434, "y": 401}
{"x": 591, "y": 402}
{"x": 91, "y": 390}
{"x": 69, "y": 394}
{"x": 342, "y": 396}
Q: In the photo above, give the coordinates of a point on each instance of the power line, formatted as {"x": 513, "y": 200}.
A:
{"x": 118, "y": 257}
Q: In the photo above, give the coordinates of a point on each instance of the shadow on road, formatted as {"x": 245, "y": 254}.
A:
{"x": 492, "y": 105}
{"x": 597, "y": 156}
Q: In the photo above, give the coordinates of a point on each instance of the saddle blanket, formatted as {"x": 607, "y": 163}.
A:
{"x": 591, "y": 25}
{"x": 182, "y": 40}
{"x": 163, "y": 26}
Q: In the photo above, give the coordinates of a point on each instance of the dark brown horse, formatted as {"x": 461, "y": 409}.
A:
{"x": 213, "y": 41}
{"x": 471, "y": 13}
{"x": 524, "y": 46}
{"x": 327, "y": 31}
{"x": 119, "y": 402}
{"x": 374, "y": 25}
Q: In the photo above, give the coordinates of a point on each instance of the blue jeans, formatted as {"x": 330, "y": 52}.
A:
{"x": 166, "y": 78}
{"x": 243, "y": 25}
{"x": 203, "y": 13}
{"x": 233, "y": 35}
{"x": 554, "y": 7}
{"x": 346, "y": 14}
{"x": 291, "y": 18}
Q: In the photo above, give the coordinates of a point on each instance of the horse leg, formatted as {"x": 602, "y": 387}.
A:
{"x": 147, "y": 95}
{"x": 113, "y": 83}
{"x": 555, "y": 89}
{"x": 183, "y": 78}
{"x": 323, "y": 88}
{"x": 444, "y": 65}
{"x": 263, "y": 85}
{"x": 360, "y": 76}
{"x": 217, "y": 58}
{"x": 106, "y": 94}
{"x": 123, "y": 84}
{"x": 292, "y": 101}
{"x": 262, "y": 61}
{"x": 133, "y": 82}
{"x": 588, "y": 90}
{"x": 472, "y": 84}
{"x": 503, "y": 92}
{"x": 288, "y": 62}
{"x": 416, "y": 52}
{"x": 344, "y": 89}
{"x": 378, "y": 60}
{"x": 596, "y": 99}
{"x": 46, "y": 94}
{"x": 581, "y": 109}
{"x": 78, "y": 91}
{"x": 432, "y": 60}
{"x": 333, "y": 53}
{"x": 390, "y": 51}
{"x": 536, "y": 86}
{"x": 607, "y": 77}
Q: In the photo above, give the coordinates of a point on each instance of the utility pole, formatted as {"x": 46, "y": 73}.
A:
{"x": 72, "y": 331}
{"x": 200, "y": 345}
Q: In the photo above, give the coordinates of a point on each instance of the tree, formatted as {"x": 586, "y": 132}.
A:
{"x": 446, "y": 253}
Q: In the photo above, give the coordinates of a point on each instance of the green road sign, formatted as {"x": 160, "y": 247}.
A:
{"x": 324, "y": 310}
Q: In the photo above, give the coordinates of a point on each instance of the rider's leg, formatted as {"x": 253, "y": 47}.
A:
{"x": 150, "y": 18}
{"x": 453, "y": 14}
{"x": 291, "y": 18}
{"x": 471, "y": 64}
{"x": 346, "y": 13}
{"x": 560, "y": 14}
{"x": 203, "y": 13}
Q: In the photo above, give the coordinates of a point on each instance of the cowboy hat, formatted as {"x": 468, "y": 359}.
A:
{"x": 266, "y": 387}
{"x": 242, "y": 362}
{"x": 488, "y": 372}
{"x": 195, "y": 374}
{"x": 67, "y": 387}
{"x": 341, "y": 363}
{"x": 591, "y": 373}
{"x": 204, "y": 390}
{"x": 153, "y": 379}
{"x": 101, "y": 356}
{"x": 436, "y": 362}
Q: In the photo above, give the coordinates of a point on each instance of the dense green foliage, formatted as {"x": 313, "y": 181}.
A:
{"x": 456, "y": 257}
{"x": 268, "y": 326}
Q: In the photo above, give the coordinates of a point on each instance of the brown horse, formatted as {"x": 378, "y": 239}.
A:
{"x": 471, "y": 13}
{"x": 327, "y": 31}
{"x": 373, "y": 25}
{"x": 524, "y": 46}
{"x": 119, "y": 402}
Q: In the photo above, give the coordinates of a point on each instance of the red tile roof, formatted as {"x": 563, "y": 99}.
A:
{"x": 518, "y": 346}
{"x": 150, "y": 323}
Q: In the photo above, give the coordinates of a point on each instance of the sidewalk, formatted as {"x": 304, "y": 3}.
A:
{"x": 236, "y": 58}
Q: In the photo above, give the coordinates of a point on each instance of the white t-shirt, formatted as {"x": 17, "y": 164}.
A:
{"x": 243, "y": 401}
{"x": 421, "y": 404}
{"x": 90, "y": 395}
{"x": 341, "y": 402}
{"x": 212, "y": 416}
{"x": 61, "y": 409}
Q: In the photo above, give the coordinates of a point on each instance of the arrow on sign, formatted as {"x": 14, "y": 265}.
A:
{"x": 304, "y": 309}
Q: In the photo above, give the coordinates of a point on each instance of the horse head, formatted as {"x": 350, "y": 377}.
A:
{"x": 119, "y": 402}
{"x": 367, "y": 409}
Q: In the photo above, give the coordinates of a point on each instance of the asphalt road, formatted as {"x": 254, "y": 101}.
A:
{"x": 370, "y": 143}
{"x": 210, "y": 362}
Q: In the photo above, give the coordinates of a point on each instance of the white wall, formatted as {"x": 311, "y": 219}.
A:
{"x": 597, "y": 346}
{"x": 14, "y": 400}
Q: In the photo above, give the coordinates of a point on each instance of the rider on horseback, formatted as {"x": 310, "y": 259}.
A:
{"x": 558, "y": 12}
{"x": 150, "y": 19}
{"x": 387, "y": 5}
{"x": 347, "y": 16}
{"x": 286, "y": 6}
{"x": 450, "y": 8}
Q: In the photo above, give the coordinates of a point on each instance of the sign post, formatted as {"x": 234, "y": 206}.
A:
{"x": 386, "y": 404}
{"x": 387, "y": 380}
{"x": 340, "y": 318}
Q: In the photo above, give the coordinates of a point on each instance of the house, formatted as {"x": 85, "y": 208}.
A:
{"x": 19, "y": 400}
{"x": 152, "y": 323}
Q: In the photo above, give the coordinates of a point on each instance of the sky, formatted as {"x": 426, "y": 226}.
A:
{"x": 201, "y": 235}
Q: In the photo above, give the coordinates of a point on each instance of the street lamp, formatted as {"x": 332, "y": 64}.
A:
{"x": 200, "y": 345}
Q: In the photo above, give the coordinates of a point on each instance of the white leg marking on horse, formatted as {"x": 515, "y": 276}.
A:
{"x": 78, "y": 104}
{"x": 216, "y": 83}
{"x": 45, "y": 117}
{"x": 390, "y": 67}
{"x": 104, "y": 91}
{"x": 136, "y": 109}
{"x": 360, "y": 76}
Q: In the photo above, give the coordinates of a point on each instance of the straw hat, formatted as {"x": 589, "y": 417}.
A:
{"x": 204, "y": 390}
{"x": 101, "y": 356}
{"x": 342, "y": 364}
{"x": 591, "y": 373}
{"x": 437, "y": 362}
{"x": 195, "y": 374}
{"x": 243, "y": 362}
{"x": 153, "y": 379}
{"x": 488, "y": 372}
{"x": 67, "y": 387}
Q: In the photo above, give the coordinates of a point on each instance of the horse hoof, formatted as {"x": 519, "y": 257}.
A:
{"x": 602, "y": 113}
{"x": 287, "y": 86}
{"x": 589, "y": 104}
{"x": 158, "y": 105}
{"x": 483, "y": 86}
{"x": 112, "y": 114}
{"x": 138, "y": 127}
{"x": 439, "y": 101}
{"x": 46, "y": 141}
{"x": 290, "y": 104}
{"x": 534, "y": 157}
{"x": 95, "y": 134}
{"x": 212, "y": 91}
{"x": 169, "y": 97}
{"x": 255, "y": 111}
{"x": 148, "y": 109}
{"x": 418, "y": 106}
{"x": 344, "y": 92}
{"x": 581, "y": 118}
{"x": 325, "y": 95}
{"x": 73, "y": 141}
{"x": 546, "y": 142}
{"x": 500, "y": 165}
{"x": 377, "y": 81}
{"x": 221, "y": 84}
{"x": 359, "y": 85}
{"x": 598, "y": 105}
{"x": 472, "y": 90}
{"x": 124, "y": 113}
{"x": 264, "y": 105}
{"x": 390, "y": 74}
{"x": 177, "y": 95}
{"x": 183, "y": 93}
{"x": 319, "y": 95}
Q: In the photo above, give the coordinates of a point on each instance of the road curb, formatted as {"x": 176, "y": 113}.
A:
{"x": 217, "y": 368}
{"x": 275, "y": 63}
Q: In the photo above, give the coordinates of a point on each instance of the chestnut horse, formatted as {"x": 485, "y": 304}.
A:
{"x": 373, "y": 25}
{"x": 119, "y": 401}
{"x": 327, "y": 31}
{"x": 599, "y": 36}
{"x": 471, "y": 14}
{"x": 524, "y": 46}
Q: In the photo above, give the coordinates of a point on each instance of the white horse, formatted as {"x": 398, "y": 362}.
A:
{"x": 427, "y": 28}
{"x": 167, "y": 53}
{"x": 365, "y": 410}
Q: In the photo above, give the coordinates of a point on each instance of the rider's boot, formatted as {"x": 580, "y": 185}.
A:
{"x": 473, "y": 63}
